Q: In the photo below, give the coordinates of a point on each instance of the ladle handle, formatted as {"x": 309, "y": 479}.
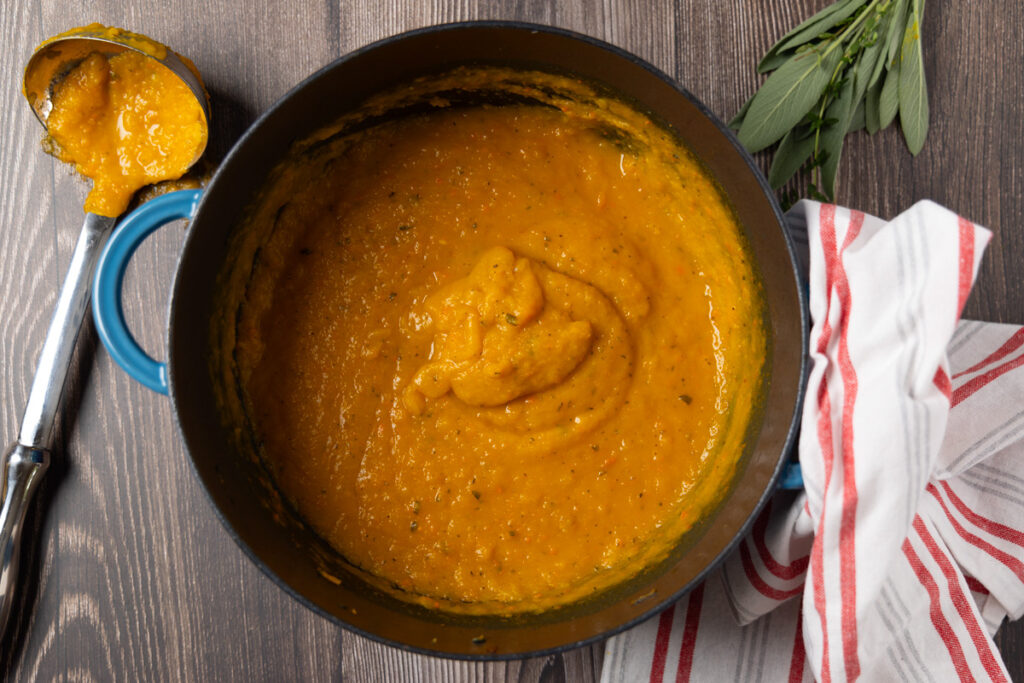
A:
{"x": 26, "y": 461}
{"x": 23, "y": 469}
{"x": 55, "y": 358}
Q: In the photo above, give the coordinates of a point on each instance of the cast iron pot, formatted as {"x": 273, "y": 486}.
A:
{"x": 291, "y": 554}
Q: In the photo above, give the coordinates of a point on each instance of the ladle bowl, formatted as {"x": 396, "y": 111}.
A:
{"x": 56, "y": 57}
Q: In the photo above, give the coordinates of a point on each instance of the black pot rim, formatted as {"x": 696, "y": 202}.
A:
{"x": 791, "y": 434}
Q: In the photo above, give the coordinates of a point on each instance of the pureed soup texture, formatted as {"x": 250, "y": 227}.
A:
{"x": 500, "y": 357}
{"x": 125, "y": 121}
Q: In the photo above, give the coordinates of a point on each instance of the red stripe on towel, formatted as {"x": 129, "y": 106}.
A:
{"x": 942, "y": 381}
{"x": 963, "y": 607}
{"x": 1011, "y": 562}
{"x": 818, "y": 548}
{"x": 966, "y": 229}
{"x": 847, "y": 536}
{"x": 785, "y": 572}
{"x": 689, "y": 644}
{"x": 995, "y": 528}
{"x": 966, "y": 390}
{"x": 824, "y": 428}
{"x": 758, "y": 583}
{"x": 661, "y": 644}
{"x": 1015, "y": 341}
{"x": 945, "y": 631}
{"x": 828, "y": 217}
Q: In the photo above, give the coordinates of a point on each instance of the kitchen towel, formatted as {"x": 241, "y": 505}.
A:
{"x": 903, "y": 554}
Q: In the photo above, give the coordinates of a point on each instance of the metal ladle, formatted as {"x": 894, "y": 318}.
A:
{"x": 27, "y": 460}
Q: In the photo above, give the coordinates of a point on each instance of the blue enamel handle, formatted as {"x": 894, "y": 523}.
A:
{"x": 107, "y": 310}
{"x": 792, "y": 478}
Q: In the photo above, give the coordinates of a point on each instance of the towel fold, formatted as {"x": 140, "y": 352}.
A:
{"x": 902, "y": 556}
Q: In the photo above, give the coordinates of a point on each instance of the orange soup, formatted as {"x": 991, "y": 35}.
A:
{"x": 125, "y": 122}
{"x": 501, "y": 358}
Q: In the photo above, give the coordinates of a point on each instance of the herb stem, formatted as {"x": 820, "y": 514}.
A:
{"x": 865, "y": 13}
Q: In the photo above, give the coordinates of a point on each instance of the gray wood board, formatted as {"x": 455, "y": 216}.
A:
{"x": 132, "y": 576}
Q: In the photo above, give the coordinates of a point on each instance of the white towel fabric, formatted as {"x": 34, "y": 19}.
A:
{"x": 905, "y": 548}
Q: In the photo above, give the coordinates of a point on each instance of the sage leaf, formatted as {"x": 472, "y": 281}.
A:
{"x": 888, "y": 25}
{"x": 888, "y": 101}
{"x": 788, "y": 94}
{"x": 859, "y": 119}
{"x": 899, "y": 21}
{"x": 793, "y": 151}
{"x": 737, "y": 120}
{"x": 913, "y": 95}
{"x": 832, "y": 135}
{"x": 871, "y": 117}
{"x": 812, "y": 28}
{"x": 867, "y": 63}
{"x": 773, "y": 62}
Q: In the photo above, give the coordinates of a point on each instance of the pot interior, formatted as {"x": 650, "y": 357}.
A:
{"x": 233, "y": 476}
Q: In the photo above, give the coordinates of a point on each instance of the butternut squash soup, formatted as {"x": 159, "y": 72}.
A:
{"x": 502, "y": 356}
{"x": 124, "y": 121}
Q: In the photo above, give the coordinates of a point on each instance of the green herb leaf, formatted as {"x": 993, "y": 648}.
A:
{"x": 793, "y": 151}
{"x": 871, "y": 118}
{"x": 913, "y": 95}
{"x": 812, "y": 28}
{"x": 795, "y": 148}
{"x": 859, "y": 119}
{"x": 786, "y": 97}
{"x": 773, "y": 62}
{"x": 888, "y": 101}
{"x": 737, "y": 120}
{"x": 895, "y": 20}
{"x": 832, "y": 135}
{"x": 899, "y": 22}
{"x": 868, "y": 62}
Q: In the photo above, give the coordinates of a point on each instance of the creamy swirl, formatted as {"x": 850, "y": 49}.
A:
{"x": 534, "y": 350}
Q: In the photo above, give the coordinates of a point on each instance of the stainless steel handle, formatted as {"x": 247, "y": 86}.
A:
{"x": 55, "y": 358}
{"x": 27, "y": 460}
{"x": 24, "y": 469}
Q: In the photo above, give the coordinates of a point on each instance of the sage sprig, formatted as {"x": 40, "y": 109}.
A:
{"x": 854, "y": 65}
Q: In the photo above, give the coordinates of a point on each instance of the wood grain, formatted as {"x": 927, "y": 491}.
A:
{"x": 133, "y": 577}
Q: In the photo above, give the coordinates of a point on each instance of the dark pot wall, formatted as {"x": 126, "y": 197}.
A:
{"x": 228, "y": 476}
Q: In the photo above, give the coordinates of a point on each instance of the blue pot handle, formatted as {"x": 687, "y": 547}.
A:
{"x": 792, "y": 478}
{"x": 107, "y": 310}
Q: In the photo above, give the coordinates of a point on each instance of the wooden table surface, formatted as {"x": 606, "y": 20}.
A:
{"x": 132, "y": 576}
